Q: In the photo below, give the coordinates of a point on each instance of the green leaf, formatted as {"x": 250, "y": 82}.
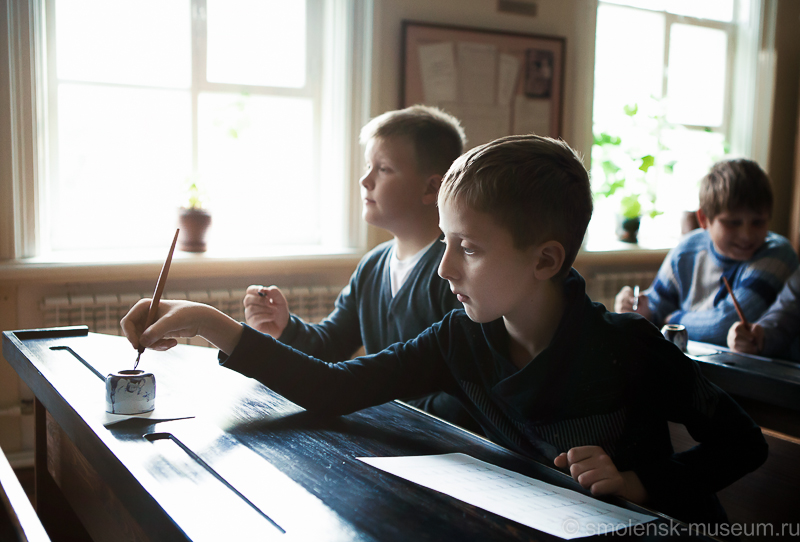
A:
{"x": 610, "y": 168}
{"x": 606, "y": 139}
{"x": 609, "y": 188}
{"x": 629, "y": 206}
{"x": 631, "y": 110}
{"x": 647, "y": 162}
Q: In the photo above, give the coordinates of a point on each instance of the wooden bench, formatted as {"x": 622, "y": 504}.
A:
{"x": 18, "y": 519}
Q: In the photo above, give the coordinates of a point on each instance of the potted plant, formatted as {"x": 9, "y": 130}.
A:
{"x": 193, "y": 221}
{"x": 623, "y": 175}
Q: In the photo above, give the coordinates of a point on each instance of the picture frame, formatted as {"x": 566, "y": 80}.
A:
{"x": 496, "y": 83}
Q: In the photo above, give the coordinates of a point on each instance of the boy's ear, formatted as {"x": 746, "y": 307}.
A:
{"x": 702, "y": 219}
{"x": 431, "y": 193}
{"x": 550, "y": 259}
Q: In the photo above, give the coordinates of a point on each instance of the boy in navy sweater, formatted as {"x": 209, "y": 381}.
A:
{"x": 545, "y": 371}
{"x": 394, "y": 293}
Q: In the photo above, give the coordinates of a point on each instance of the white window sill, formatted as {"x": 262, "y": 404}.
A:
{"x": 145, "y": 264}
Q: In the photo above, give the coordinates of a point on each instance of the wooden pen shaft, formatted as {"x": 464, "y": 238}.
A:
{"x": 162, "y": 280}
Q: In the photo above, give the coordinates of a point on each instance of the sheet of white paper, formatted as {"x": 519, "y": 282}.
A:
{"x": 477, "y": 72}
{"x": 545, "y": 507}
{"x": 438, "y": 72}
{"x": 507, "y": 78}
{"x": 532, "y": 116}
{"x": 481, "y": 123}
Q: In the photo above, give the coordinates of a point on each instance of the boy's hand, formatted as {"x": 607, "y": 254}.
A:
{"x": 593, "y": 469}
{"x": 266, "y": 310}
{"x": 180, "y": 319}
{"x": 746, "y": 338}
{"x": 624, "y": 302}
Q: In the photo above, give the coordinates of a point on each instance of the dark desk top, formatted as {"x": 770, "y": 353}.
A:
{"x": 773, "y": 381}
{"x": 253, "y": 462}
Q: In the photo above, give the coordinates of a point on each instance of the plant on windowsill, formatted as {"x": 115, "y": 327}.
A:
{"x": 625, "y": 166}
{"x": 193, "y": 221}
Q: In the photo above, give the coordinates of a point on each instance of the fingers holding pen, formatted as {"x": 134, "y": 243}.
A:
{"x": 174, "y": 319}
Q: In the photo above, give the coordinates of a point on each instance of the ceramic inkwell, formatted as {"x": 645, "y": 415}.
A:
{"x": 130, "y": 392}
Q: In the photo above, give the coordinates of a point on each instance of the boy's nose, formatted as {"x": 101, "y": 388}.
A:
{"x": 445, "y": 268}
{"x": 366, "y": 180}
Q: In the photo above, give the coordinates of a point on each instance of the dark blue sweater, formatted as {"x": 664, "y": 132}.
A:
{"x": 606, "y": 379}
{"x": 366, "y": 313}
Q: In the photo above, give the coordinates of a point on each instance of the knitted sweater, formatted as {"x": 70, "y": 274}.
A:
{"x": 781, "y": 322}
{"x": 689, "y": 290}
{"x": 606, "y": 379}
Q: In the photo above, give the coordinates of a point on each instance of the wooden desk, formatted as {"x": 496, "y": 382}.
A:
{"x": 769, "y": 390}
{"x": 250, "y": 465}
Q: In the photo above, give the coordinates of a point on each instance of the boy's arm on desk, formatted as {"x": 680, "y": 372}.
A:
{"x": 333, "y": 339}
{"x": 403, "y": 370}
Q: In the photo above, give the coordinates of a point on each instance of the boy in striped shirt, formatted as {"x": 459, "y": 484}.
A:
{"x": 734, "y": 242}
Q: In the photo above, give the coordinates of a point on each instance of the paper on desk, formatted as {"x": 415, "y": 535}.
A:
{"x": 545, "y": 507}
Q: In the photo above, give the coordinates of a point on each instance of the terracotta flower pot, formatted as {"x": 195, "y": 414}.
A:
{"x": 193, "y": 223}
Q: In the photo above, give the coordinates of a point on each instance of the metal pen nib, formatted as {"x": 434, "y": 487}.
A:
{"x": 135, "y": 365}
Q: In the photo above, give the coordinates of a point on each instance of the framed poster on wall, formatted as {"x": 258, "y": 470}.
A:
{"x": 497, "y": 83}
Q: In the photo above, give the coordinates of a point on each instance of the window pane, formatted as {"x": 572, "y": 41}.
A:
{"x": 717, "y": 10}
{"x": 257, "y": 159}
{"x": 141, "y": 42}
{"x": 123, "y": 157}
{"x": 629, "y": 56}
{"x": 267, "y": 47}
{"x": 696, "y": 83}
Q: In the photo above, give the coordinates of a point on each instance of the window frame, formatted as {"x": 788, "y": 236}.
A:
{"x": 750, "y": 67}
{"x": 24, "y": 222}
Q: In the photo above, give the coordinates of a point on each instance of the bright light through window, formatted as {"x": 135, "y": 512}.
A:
{"x": 715, "y": 10}
{"x": 257, "y": 160}
{"x": 697, "y": 65}
{"x": 121, "y": 169}
{"x": 143, "y": 42}
{"x": 131, "y": 125}
{"x": 257, "y": 42}
{"x": 657, "y": 130}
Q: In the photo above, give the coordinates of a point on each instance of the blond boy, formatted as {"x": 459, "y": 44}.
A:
{"x": 394, "y": 293}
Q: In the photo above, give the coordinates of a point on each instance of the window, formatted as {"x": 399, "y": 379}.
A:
{"x": 665, "y": 108}
{"x": 139, "y": 100}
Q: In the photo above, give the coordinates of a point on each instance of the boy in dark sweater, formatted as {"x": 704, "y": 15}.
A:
{"x": 545, "y": 371}
{"x": 394, "y": 293}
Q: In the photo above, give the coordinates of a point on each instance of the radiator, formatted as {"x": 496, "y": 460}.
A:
{"x": 102, "y": 312}
{"x": 604, "y": 287}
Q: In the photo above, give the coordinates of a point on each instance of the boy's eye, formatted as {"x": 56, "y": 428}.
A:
{"x": 467, "y": 251}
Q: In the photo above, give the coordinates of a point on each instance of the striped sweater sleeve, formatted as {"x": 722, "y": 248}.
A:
{"x": 755, "y": 284}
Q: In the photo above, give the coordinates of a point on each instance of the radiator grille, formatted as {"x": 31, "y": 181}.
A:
{"x": 604, "y": 287}
{"x": 102, "y": 312}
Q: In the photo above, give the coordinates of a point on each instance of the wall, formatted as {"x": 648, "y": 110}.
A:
{"x": 571, "y": 19}
{"x": 785, "y": 113}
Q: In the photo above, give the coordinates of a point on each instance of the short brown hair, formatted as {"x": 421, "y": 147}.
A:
{"x": 733, "y": 185}
{"x": 438, "y": 137}
{"x": 534, "y": 186}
